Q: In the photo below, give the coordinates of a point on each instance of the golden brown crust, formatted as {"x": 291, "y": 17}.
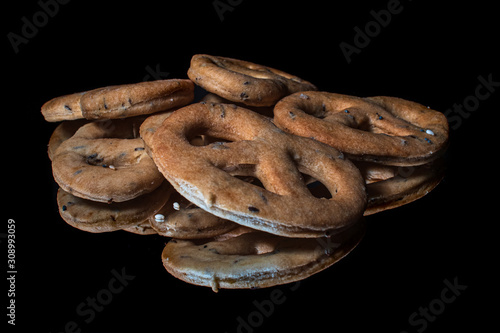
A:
{"x": 255, "y": 206}
{"x": 120, "y": 101}
{"x": 379, "y": 129}
{"x": 130, "y": 100}
{"x": 254, "y": 259}
{"x": 207, "y": 175}
{"x": 263, "y": 110}
{"x": 61, "y": 108}
{"x": 150, "y": 125}
{"x": 243, "y": 81}
{"x": 106, "y": 162}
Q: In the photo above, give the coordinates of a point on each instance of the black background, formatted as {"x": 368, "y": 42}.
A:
{"x": 429, "y": 53}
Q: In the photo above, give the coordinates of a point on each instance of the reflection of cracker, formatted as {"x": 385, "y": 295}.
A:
{"x": 254, "y": 259}
{"x": 405, "y": 185}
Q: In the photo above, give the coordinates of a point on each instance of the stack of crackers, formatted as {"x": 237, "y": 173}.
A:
{"x": 264, "y": 181}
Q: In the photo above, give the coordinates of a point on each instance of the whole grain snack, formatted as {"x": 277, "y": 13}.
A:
{"x": 249, "y": 145}
{"x": 385, "y": 130}
{"x": 266, "y": 181}
{"x": 263, "y": 110}
{"x": 151, "y": 124}
{"x": 120, "y": 101}
{"x": 106, "y": 161}
{"x": 100, "y": 217}
{"x": 243, "y": 81}
{"x": 255, "y": 259}
{"x": 136, "y": 99}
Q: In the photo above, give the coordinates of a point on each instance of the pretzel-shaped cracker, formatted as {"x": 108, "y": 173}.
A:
{"x": 206, "y": 175}
{"x": 106, "y": 162}
{"x": 120, "y": 101}
{"x": 385, "y": 130}
{"x": 243, "y": 81}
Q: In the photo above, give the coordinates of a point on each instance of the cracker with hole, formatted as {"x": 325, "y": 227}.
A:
{"x": 386, "y": 130}
{"x": 250, "y": 145}
{"x": 106, "y": 161}
{"x": 243, "y": 81}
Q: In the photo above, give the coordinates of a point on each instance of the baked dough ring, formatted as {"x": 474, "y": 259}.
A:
{"x": 120, "y": 101}
{"x": 385, "y": 130}
{"x": 206, "y": 175}
{"x": 243, "y": 81}
{"x": 254, "y": 259}
{"x": 130, "y": 100}
{"x": 106, "y": 162}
